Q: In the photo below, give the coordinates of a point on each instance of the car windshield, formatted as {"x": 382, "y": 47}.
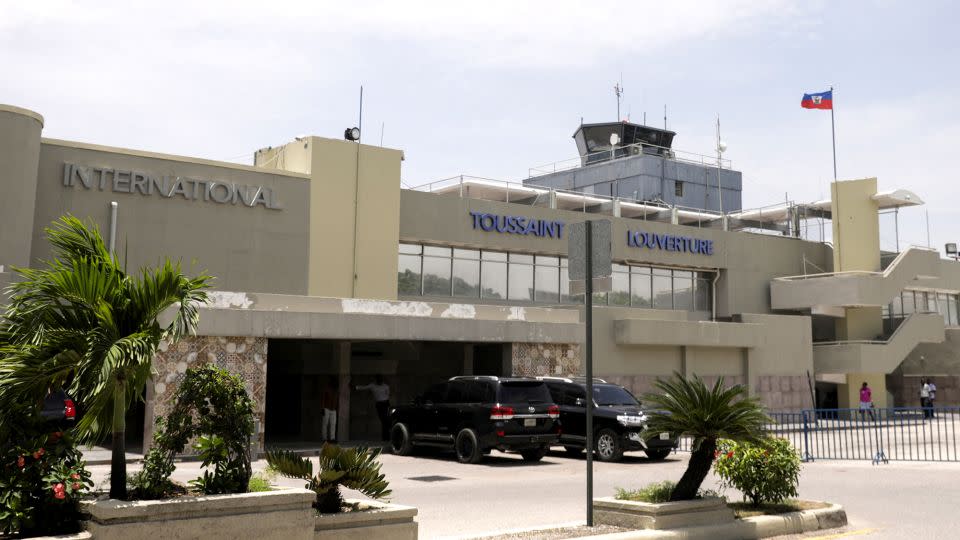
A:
{"x": 524, "y": 392}
{"x": 613, "y": 395}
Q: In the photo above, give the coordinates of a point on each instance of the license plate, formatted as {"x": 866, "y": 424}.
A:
{"x": 528, "y": 422}
{"x": 634, "y": 436}
{"x": 664, "y": 436}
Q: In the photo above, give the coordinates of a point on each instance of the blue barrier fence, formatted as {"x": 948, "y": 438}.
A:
{"x": 879, "y": 435}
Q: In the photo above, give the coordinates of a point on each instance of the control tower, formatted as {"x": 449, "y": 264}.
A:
{"x": 637, "y": 162}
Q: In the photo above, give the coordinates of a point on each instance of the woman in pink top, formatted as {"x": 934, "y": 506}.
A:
{"x": 866, "y": 400}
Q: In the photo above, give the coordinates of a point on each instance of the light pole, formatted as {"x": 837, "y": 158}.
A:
{"x": 721, "y": 148}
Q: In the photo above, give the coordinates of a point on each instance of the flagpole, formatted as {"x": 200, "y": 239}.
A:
{"x": 833, "y": 136}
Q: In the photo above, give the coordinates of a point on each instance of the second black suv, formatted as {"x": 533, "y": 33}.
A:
{"x": 617, "y": 420}
{"x": 474, "y": 415}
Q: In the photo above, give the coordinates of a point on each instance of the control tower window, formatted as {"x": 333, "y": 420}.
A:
{"x": 678, "y": 189}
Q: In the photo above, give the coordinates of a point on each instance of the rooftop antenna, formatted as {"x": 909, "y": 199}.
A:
{"x": 721, "y": 148}
{"x": 360, "y": 121}
{"x": 618, "y": 91}
{"x": 382, "y": 125}
{"x": 664, "y": 116}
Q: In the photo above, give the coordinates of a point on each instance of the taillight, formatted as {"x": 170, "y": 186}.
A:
{"x": 69, "y": 410}
{"x": 553, "y": 411}
{"x": 501, "y": 413}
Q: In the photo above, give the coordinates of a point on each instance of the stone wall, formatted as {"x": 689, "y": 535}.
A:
{"x": 243, "y": 356}
{"x": 534, "y": 359}
{"x": 784, "y": 392}
{"x": 906, "y": 390}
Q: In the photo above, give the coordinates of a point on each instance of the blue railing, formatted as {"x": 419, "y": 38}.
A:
{"x": 878, "y": 435}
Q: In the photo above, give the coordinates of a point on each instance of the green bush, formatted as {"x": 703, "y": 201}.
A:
{"x": 353, "y": 468}
{"x": 765, "y": 472}
{"x": 262, "y": 481}
{"x": 658, "y": 492}
{"x": 42, "y": 476}
{"x": 213, "y": 409}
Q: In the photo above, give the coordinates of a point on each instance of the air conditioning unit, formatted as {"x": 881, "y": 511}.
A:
{"x": 636, "y": 150}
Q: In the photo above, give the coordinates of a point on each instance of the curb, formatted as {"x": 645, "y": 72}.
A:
{"x": 752, "y": 527}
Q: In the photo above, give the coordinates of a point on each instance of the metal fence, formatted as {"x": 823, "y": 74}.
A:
{"x": 878, "y": 435}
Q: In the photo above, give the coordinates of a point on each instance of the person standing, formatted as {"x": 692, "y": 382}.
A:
{"x": 932, "y": 400}
{"x": 925, "y": 398}
{"x": 866, "y": 400}
{"x": 329, "y": 400}
{"x": 381, "y": 397}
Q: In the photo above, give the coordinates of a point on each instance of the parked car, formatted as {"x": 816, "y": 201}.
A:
{"x": 475, "y": 414}
{"x": 618, "y": 420}
{"x": 59, "y": 409}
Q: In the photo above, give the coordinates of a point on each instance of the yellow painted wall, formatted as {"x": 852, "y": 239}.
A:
{"x": 848, "y": 394}
{"x": 856, "y": 225}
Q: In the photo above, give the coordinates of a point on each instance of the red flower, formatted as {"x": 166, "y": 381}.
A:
{"x": 38, "y": 453}
{"x": 74, "y": 476}
{"x": 730, "y": 454}
{"x": 76, "y": 486}
{"x": 21, "y": 462}
{"x": 58, "y": 491}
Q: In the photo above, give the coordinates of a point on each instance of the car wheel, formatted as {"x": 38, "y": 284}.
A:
{"x": 573, "y": 450}
{"x": 400, "y": 441}
{"x": 468, "y": 446}
{"x": 534, "y": 455}
{"x": 608, "y": 445}
{"x": 657, "y": 453}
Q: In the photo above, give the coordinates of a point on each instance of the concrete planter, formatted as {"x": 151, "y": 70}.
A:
{"x": 375, "y": 519}
{"x": 669, "y": 515}
{"x": 706, "y": 519}
{"x": 282, "y": 514}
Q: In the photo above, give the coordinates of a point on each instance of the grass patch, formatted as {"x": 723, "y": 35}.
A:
{"x": 658, "y": 492}
{"x": 745, "y": 509}
{"x": 262, "y": 481}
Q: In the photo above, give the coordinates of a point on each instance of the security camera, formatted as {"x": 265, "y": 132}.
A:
{"x": 352, "y": 134}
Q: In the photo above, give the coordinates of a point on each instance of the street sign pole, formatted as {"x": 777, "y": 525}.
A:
{"x": 588, "y": 285}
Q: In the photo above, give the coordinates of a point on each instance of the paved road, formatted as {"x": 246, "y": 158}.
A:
{"x": 899, "y": 500}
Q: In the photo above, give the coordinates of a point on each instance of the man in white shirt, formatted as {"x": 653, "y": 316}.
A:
{"x": 925, "y": 398}
{"x": 933, "y": 397}
{"x": 381, "y": 395}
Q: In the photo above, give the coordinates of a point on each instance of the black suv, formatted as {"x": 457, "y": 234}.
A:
{"x": 617, "y": 420}
{"x": 474, "y": 415}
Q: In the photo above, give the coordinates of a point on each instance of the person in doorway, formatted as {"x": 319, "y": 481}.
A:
{"x": 381, "y": 396}
{"x": 931, "y": 401}
{"x": 329, "y": 399}
{"x": 866, "y": 401}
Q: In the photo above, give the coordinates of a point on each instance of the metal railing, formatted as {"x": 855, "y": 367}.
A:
{"x": 878, "y": 435}
{"x": 594, "y": 158}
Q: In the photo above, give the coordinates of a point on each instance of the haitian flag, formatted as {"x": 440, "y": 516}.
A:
{"x": 823, "y": 100}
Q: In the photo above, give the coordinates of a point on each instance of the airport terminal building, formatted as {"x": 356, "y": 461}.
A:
{"x": 328, "y": 272}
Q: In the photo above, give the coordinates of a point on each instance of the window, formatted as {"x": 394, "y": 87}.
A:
{"x": 620, "y": 291}
{"x": 703, "y": 292}
{"x": 520, "y": 277}
{"x": 547, "y": 279}
{"x": 640, "y": 286}
{"x": 683, "y": 290}
{"x": 409, "y": 270}
{"x": 908, "y": 305}
{"x": 896, "y": 307}
{"x": 493, "y": 275}
{"x": 565, "y": 295}
{"x": 942, "y": 307}
{"x": 466, "y": 273}
{"x": 954, "y": 309}
{"x": 678, "y": 188}
{"x": 436, "y": 271}
{"x": 662, "y": 289}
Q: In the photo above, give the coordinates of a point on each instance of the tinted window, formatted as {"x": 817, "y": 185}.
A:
{"x": 435, "y": 393}
{"x": 613, "y": 395}
{"x": 479, "y": 392}
{"x": 457, "y": 392}
{"x": 524, "y": 391}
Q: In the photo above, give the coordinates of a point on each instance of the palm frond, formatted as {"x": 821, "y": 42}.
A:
{"x": 290, "y": 464}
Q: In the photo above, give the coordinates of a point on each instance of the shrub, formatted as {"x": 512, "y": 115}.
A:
{"x": 765, "y": 472}
{"x": 42, "y": 476}
{"x": 353, "y": 468}
{"x": 262, "y": 481}
{"x": 213, "y": 409}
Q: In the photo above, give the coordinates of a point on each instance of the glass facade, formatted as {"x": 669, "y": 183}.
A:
{"x": 947, "y": 304}
{"x": 495, "y": 275}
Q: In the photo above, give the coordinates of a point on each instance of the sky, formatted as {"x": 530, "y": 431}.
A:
{"x": 494, "y": 88}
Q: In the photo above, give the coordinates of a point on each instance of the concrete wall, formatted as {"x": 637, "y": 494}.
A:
{"x": 354, "y": 214}
{"x": 245, "y": 248}
{"x": 747, "y": 261}
{"x": 19, "y": 157}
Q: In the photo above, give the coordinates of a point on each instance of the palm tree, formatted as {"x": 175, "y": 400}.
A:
{"x": 688, "y": 408}
{"x": 83, "y": 324}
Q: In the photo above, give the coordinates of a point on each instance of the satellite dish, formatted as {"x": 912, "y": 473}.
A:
{"x": 614, "y": 139}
